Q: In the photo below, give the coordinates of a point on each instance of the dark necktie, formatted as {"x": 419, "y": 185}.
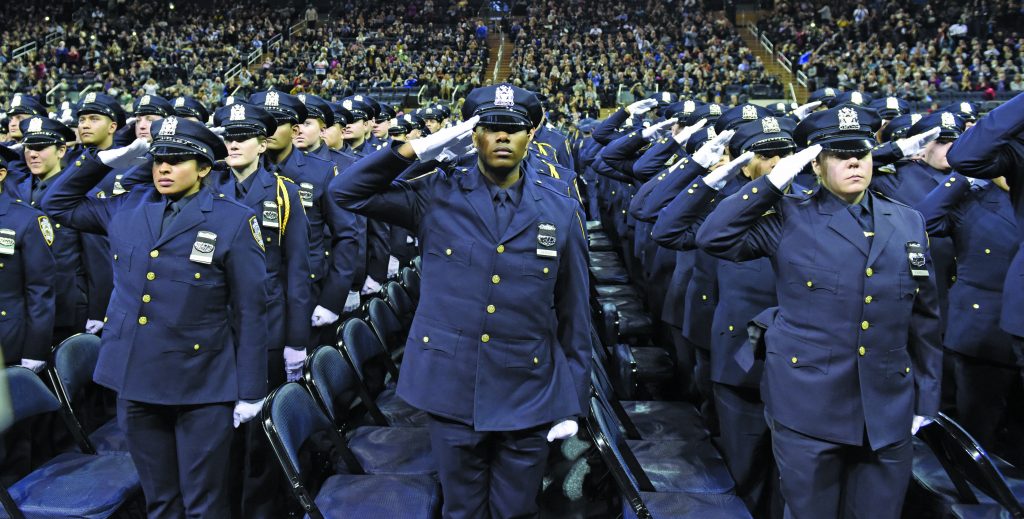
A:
{"x": 503, "y": 211}
{"x": 170, "y": 212}
{"x": 240, "y": 190}
{"x": 863, "y": 218}
{"x": 37, "y": 193}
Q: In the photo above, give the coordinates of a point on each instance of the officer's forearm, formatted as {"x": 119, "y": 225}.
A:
{"x": 677, "y": 225}
{"x": 668, "y": 185}
{"x": 66, "y": 201}
{"x": 656, "y": 159}
{"x": 993, "y": 147}
{"x": 368, "y": 188}
{"x": 938, "y": 205}
{"x": 731, "y": 231}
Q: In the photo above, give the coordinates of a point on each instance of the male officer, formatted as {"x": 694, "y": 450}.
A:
{"x": 992, "y": 148}
{"x": 27, "y": 280}
{"x": 184, "y": 345}
{"x": 382, "y": 123}
{"x": 45, "y": 146}
{"x": 149, "y": 109}
{"x": 496, "y": 375}
{"x": 853, "y": 360}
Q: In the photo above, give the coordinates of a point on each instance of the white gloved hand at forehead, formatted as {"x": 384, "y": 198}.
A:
{"x": 641, "y": 107}
{"x": 712, "y": 151}
{"x": 457, "y": 137}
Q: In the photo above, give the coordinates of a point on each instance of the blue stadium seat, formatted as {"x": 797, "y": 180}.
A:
{"x": 74, "y": 361}
{"x": 399, "y": 301}
{"x": 295, "y": 426}
{"x": 72, "y": 484}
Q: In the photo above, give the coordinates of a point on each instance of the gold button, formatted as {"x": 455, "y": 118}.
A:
{"x": 312, "y": 276}
{"x": 501, "y": 249}
{"x": 143, "y": 320}
{"x": 150, "y": 276}
{"x": 198, "y": 275}
{"x": 862, "y": 350}
{"x": 426, "y": 339}
{"x": 495, "y": 279}
{"x": 78, "y": 163}
{"x": 948, "y": 184}
{"x": 867, "y": 300}
{"x": 810, "y": 284}
{"x": 753, "y": 190}
{"x": 731, "y": 328}
{"x": 268, "y": 239}
{"x": 988, "y": 251}
{"x": 696, "y": 185}
{"x": 536, "y": 360}
{"x": 975, "y": 306}
{"x": 447, "y": 252}
{"x": 154, "y": 253}
{"x": 485, "y": 338}
{"x": 613, "y": 192}
{"x": 195, "y": 347}
{"x": 546, "y": 270}
{"x": 952, "y": 179}
{"x": 864, "y": 325}
{"x": 115, "y": 257}
{"x": 623, "y": 211}
{"x": 793, "y": 360}
{"x": 908, "y": 369}
{"x": 221, "y": 195}
{"x": 490, "y": 309}
{"x": 869, "y": 272}
{"x": 104, "y": 318}
{"x": 691, "y": 191}
{"x": 57, "y": 225}
{"x": 703, "y": 297}
{"x": 3, "y": 312}
{"x": 146, "y": 298}
{"x": 1, "y": 265}
{"x": 746, "y": 197}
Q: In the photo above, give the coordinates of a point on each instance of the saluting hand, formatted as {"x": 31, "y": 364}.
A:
{"x": 789, "y": 167}
{"x": 716, "y": 179}
{"x": 685, "y": 134}
{"x": 641, "y": 107}
{"x": 647, "y": 133}
{"x": 713, "y": 150}
{"x": 456, "y": 138}
{"x": 126, "y": 157}
{"x": 913, "y": 145}
{"x": 805, "y": 109}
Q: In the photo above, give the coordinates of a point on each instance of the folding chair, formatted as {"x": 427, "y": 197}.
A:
{"x": 389, "y": 330}
{"x": 74, "y": 361}
{"x": 410, "y": 279}
{"x": 399, "y": 301}
{"x": 300, "y": 432}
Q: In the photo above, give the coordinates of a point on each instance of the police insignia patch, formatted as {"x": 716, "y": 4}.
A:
{"x": 306, "y": 194}
{"x": 689, "y": 107}
{"x": 947, "y": 120}
{"x": 749, "y": 113}
{"x": 202, "y": 249}
{"x": 7, "y": 241}
{"x": 347, "y": 104}
{"x": 966, "y": 108}
{"x": 16, "y": 101}
{"x": 848, "y": 119}
{"x": 144, "y": 100}
{"x": 46, "y": 229}
{"x": 856, "y": 98}
{"x": 715, "y": 109}
{"x": 273, "y": 99}
{"x": 831, "y": 92}
{"x": 169, "y": 126}
{"x": 892, "y": 103}
{"x": 254, "y": 226}
{"x": 90, "y": 97}
{"x": 237, "y": 112}
{"x": 179, "y": 102}
{"x": 914, "y": 118}
{"x": 504, "y": 96}
{"x": 546, "y": 240}
{"x": 35, "y": 125}
{"x": 770, "y": 125}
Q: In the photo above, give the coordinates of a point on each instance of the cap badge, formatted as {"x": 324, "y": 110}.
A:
{"x": 179, "y": 102}
{"x": 237, "y": 112}
{"x": 947, "y": 120}
{"x": 966, "y": 108}
{"x": 144, "y": 100}
{"x": 749, "y": 113}
{"x": 169, "y": 126}
{"x": 504, "y": 96}
{"x": 856, "y": 98}
{"x": 891, "y": 103}
{"x": 914, "y": 118}
{"x": 228, "y": 101}
{"x": 16, "y": 101}
{"x": 714, "y": 109}
{"x": 90, "y": 97}
{"x": 35, "y": 125}
{"x": 273, "y": 99}
{"x": 831, "y": 92}
{"x": 848, "y": 119}
{"x": 689, "y": 107}
{"x": 347, "y": 104}
{"x": 770, "y": 125}
{"x": 302, "y": 97}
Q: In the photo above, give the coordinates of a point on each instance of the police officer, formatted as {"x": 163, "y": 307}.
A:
{"x": 27, "y": 281}
{"x": 22, "y": 107}
{"x": 184, "y": 345}
{"x": 190, "y": 108}
{"x": 149, "y": 109}
{"x": 382, "y": 123}
{"x": 498, "y": 377}
{"x": 992, "y": 148}
{"x": 45, "y": 147}
{"x": 842, "y": 395}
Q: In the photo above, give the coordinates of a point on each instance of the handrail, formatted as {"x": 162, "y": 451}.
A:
{"x": 254, "y": 56}
{"x": 785, "y": 62}
{"x": 419, "y": 95}
{"x": 274, "y": 40}
{"x": 51, "y": 37}
{"x": 767, "y": 44}
{"x": 801, "y": 78}
{"x": 23, "y": 50}
{"x": 235, "y": 70}
{"x": 792, "y": 92}
{"x": 301, "y": 25}
{"x": 497, "y": 63}
{"x": 49, "y": 94}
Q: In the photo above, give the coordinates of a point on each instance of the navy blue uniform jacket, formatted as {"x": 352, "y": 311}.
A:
{"x": 26, "y": 281}
{"x": 501, "y": 337}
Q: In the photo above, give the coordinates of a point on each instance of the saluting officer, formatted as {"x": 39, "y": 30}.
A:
{"x": 190, "y": 108}
{"x": 185, "y": 341}
{"x": 496, "y": 375}
{"x": 853, "y": 360}
{"x": 22, "y": 107}
{"x": 27, "y": 281}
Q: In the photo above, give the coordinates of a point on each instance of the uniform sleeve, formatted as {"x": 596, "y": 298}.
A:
{"x": 924, "y": 341}
{"x": 885, "y": 154}
{"x": 666, "y": 186}
{"x": 245, "y": 264}
{"x": 620, "y": 154}
{"x": 993, "y": 147}
{"x": 298, "y": 282}
{"x": 657, "y": 158}
{"x": 66, "y": 199}
{"x": 942, "y": 207}
{"x": 604, "y": 133}
{"x": 600, "y": 167}
{"x": 572, "y": 293}
{"x": 368, "y": 188}
{"x": 744, "y": 226}
{"x": 98, "y": 272}
{"x": 677, "y": 224}
{"x": 348, "y": 246}
{"x": 38, "y": 266}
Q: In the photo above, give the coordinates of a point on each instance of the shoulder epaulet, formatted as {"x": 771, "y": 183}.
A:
{"x": 433, "y": 171}
{"x": 282, "y": 177}
{"x": 889, "y": 199}
{"x": 555, "y": 186}
{"x": 888, "y": 169}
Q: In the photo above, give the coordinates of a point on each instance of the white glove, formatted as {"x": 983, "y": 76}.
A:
{"x": 979, "y": 182}
{"x": 16, "y": 147}
{"x": 370, "y": 286}
{"x": 392, "y": 266}
{"x": 455, "y": 138}
{"x": 716, "y": 179}
{"x": 93, "y": 326}
{"x": 913, "y": 145}
{"x": 352, "y": 302}
{"x": 294, "y": 358}
{"x": 641, "y": 107}
{"x": 246, "y": 410}
{"x": 563, "y": 430}
{"x": 130, "y": 121}
{"x": 218, "y": 131}
{"x": 918, "y": 423}
{"x": 323, "y": 316}
{"x": 806, "y": 109}
{"x": 789, "y": 167}
{"x": 647, "y": 133}
{"x": 126, "y": 157}
{"x": 34, "y": 365}
{"x": 712, "y": 151}
{"x": 65, "y": 117}
{"x": 685, "y": 134}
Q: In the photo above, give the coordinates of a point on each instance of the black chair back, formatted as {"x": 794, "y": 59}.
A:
{"x": 400, "y": 302}
{"x": 622, "y": 466}
{"x": 74, "y": 361}
{"x": 369, "y": 360}
{"x": 411, "y": 282}
{"x": 389, "y": 330}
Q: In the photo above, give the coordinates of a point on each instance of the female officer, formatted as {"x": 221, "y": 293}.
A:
{"x": 853, "y": 359}
{"x": 185, "y": 338}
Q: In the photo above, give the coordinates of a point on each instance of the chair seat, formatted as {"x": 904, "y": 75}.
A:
{"x": 388, "y": 496}
{"x": 617, "y": 291}
{"x": 674, "y": 505}
{"x": 653, "y": 364}
{"x": 622, "y": 303}
{"x": 610, "y": 275}
{"x": 604, "y": 259}
{"x": 683, "y": 466}
{"x": 633, "y": 323}
{"x": 77, "y": 485}
{"x": 600, "y": 243}
{"x": 980, "y": 512}
{"x": 393, "y": 450}
{"x": 594, "y": 225}
{"x": 665, "y": 420}
{"x": 398, "y": 412}
{"x": 109, "y": 438}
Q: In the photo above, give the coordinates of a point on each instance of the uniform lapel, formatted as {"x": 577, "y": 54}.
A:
{"x": 884, "y": 228}
{"x": 841, "y": 221}
{"x": 479, "y": 199}
{"x": 154, "y": 211}
{"x": 528, "y": 211}
{"x": 992, "y": 200}
{"x": 191, "y": 216}
{"x": 257, "y": 193}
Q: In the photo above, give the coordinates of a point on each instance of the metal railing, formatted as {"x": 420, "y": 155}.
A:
{"x": 497, "y": 62}
{"x": 785, "y": 62}
{"x": 51, "y": 37}
{"x": 274, "y": 41}
{"x": 254, "y": 56}
{"x": 49, "y": 93}
{"x": 419, "y": 95}
{"x": 298, "y": 26}
{"x": 23, "y": 50}
{"x": 235, "y": 70}
{"x": 801, "y": 78}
